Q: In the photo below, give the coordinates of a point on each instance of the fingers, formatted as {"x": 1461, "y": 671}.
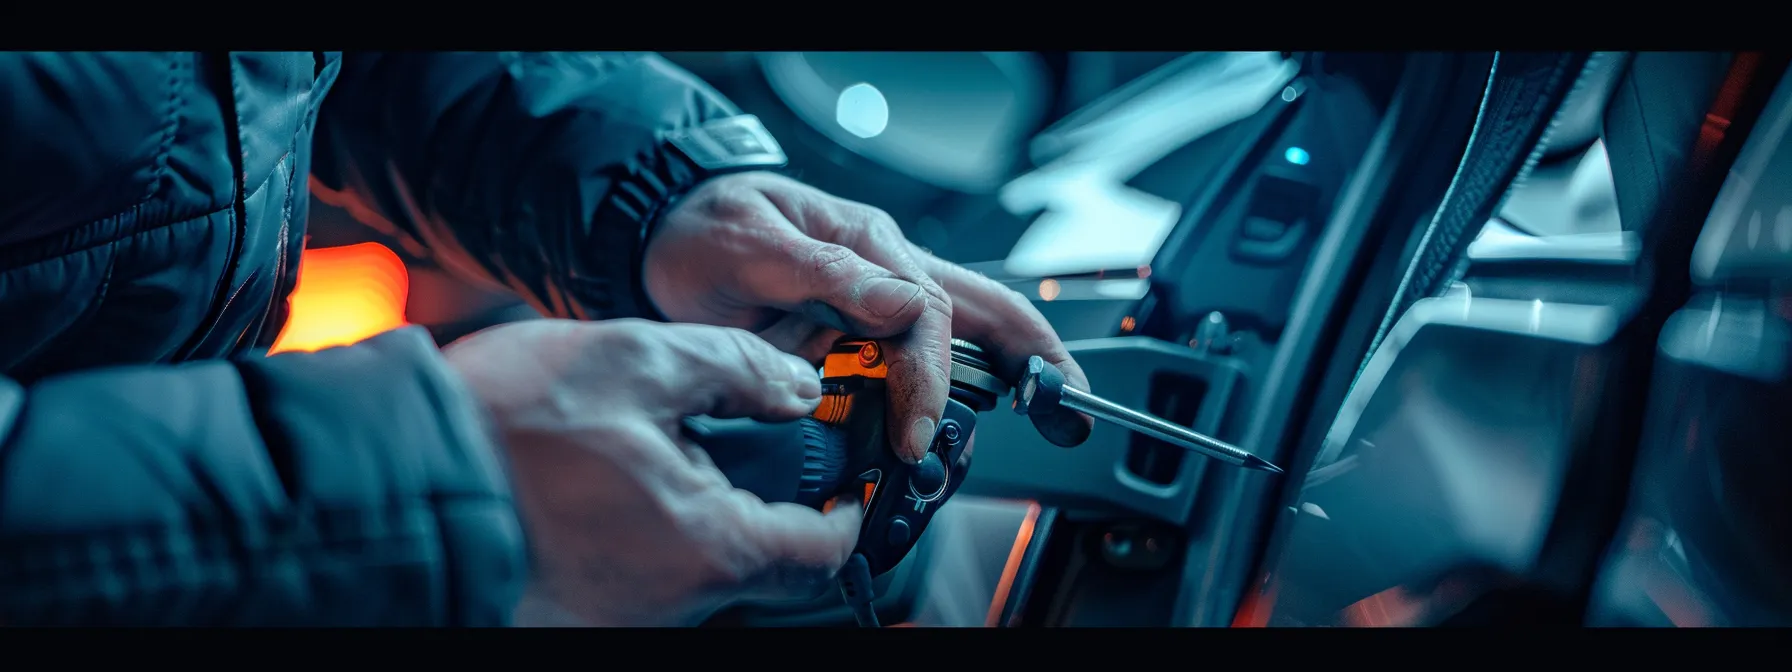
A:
{"x": 801, "y": 336}
{"x": 819, "y": 344}
{"x": 830, "y": 283}
{"x": 789, "y": 333}
{"x": 725, "y": 373}
{"x": 1002, "y": 320}
{"x": 919, "y": 358}
{"x": 802, "y": 548}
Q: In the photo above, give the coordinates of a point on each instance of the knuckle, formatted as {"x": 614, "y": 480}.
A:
{"x": 857, "y": 222}
{"x": 740, "y": 344}
{"x": 1010, "y": 313}
{"x": 877, "y": 219}
{"x": 1017, "y": 303}
{"x": 880, "y": 226}
{"x": 651, "y": 355}
{"x": 937, "y": 299}
{"x": 743, "y": 343}
{"x": 1006, "y": 297}
{"x": 736, "y": 234}
{"x": 826, "y": 259}
{"x": 630, "y": 339}
{"x": 751, "y": 352}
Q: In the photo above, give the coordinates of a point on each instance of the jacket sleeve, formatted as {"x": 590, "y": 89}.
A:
{"x": 501, "y": 164}
{"x": 256, "y": 493}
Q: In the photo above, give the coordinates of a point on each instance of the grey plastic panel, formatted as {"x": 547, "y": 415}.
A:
{"x": 951, "y": 579}
{"x": 1708, "y": 538}
{"x": 1013, "y": 461}
{"x": 970, "y": 547}
{"x": 1499, "y": 242}
{"x": 1446, "y": 462}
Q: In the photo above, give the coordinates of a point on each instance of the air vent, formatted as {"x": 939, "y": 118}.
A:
{"x": 1176, "y": 398}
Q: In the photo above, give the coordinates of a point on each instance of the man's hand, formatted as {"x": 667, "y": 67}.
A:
{"x": 766, "y": 253}
{"x": 629, "y": 523}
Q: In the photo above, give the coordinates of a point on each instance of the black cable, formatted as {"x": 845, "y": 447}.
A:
{"x": 855, "y": 586}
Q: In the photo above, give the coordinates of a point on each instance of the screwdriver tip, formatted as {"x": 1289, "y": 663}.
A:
{"x": 1261, "y": 464}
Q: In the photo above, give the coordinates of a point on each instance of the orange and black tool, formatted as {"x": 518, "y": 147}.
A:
{"x": 843, "y": 450}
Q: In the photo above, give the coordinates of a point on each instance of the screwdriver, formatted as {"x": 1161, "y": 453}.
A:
{"x": 1042, "y": 391}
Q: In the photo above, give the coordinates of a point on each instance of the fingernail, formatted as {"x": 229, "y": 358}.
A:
{"x": 920, "y": 435}
{"x": 886, "y": 297}
{"x": 807, "y": 383}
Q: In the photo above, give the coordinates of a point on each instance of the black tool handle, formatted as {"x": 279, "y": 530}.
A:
{"x": 802, "y": 461}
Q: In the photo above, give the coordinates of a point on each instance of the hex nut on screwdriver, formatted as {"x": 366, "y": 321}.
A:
{"x": 1041, "y": 384}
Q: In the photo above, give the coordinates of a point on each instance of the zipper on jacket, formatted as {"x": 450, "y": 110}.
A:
{"x": 218, "y": 70}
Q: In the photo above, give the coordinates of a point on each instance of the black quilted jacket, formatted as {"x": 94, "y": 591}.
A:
{"x": 155, "y": 466}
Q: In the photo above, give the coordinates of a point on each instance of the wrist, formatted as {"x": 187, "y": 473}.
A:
{"x": 481, "y": 419}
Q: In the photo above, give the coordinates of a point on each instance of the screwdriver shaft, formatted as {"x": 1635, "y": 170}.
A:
{"x": 1163, "y": 430}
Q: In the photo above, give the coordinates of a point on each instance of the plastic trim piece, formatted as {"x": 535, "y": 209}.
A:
{"x": 1013, "y": 461}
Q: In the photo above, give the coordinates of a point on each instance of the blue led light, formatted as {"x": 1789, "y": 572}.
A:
{"x": 1296, "y": 156}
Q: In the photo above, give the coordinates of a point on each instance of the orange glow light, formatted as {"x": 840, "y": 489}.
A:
{"x": 1254, "y": 613}
{"x": 1394, "y": 607}
{"x": 1048, "y": 289}
{"x": 1023, "y": 538}
{"x": 1127, "y": 324}
{"x": 344, "y": 295}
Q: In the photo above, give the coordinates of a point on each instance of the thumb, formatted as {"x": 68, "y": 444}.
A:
{"x": 833, "y": 286}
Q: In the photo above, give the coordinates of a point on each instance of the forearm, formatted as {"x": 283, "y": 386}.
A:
{"x": 503, "y": 165}
{"x": 347, "y": 487}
